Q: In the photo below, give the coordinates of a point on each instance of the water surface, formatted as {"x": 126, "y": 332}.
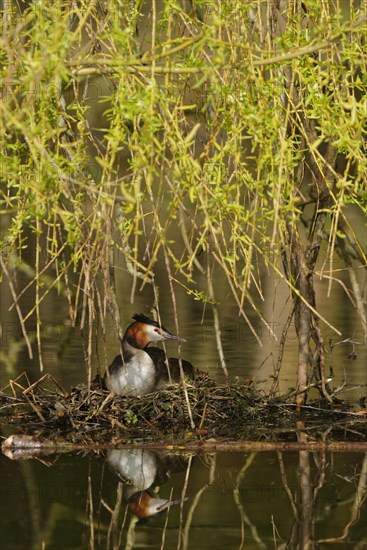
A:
{"x": 227, "y": 500}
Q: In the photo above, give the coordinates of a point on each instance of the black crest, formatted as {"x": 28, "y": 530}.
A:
{"x": 141, "y": 318}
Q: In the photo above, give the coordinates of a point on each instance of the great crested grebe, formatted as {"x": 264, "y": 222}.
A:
{"x": 141, "y": 369}
{"x": 142, "y": 472}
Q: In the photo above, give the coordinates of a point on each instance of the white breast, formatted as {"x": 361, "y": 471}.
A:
{"x": 137, "y": 377}
{"x": 138, "y": 466}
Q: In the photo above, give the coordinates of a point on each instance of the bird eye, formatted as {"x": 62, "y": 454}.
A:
{"x": 156, "y": 330}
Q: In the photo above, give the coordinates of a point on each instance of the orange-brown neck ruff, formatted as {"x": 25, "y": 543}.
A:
{"x": 137, "y": 336}
{"x": 142, "y": 506}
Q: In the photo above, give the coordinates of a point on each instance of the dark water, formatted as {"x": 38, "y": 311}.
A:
{"x": 233, "y": 500}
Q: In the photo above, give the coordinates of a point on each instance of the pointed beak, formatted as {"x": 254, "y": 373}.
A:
{"x": 168, "y": 336}
{"x": 169, "y": 503}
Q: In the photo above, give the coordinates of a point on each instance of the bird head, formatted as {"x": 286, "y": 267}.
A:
{"x": 145, "y": 330}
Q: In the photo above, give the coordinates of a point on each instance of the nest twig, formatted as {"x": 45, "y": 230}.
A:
{"x": 220, "y": 411}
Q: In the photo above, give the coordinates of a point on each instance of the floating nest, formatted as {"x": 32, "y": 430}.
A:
{"x": 235, "y": 410}
{"x": 206, "y": 405}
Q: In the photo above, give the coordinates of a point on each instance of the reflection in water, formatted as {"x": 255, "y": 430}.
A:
{"x": 304, "y": 502}
{"x": 141, "y": 471}
{"x": 228, "y": 500}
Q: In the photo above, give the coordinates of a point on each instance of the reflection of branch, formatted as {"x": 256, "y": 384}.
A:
{"x": 27, "y": 472}
{"x": 59, "y": 514}
{"x": 130, "y": 537}
{"x": 360, "y": 497}
{"x": 164, "y": 531}
{"x": 195, "y": 501}
{"x": 46, "y": 446}
{"x": 321, "y": 464}
{"x": 306, "y": 525}
{"x": 112, "y": 528}
{"x": 244, "y": 517}
{"x": 286, "y": 486}
{"x": 183, "y": 498}
{"x": 91, "y": 511}
{"x": 302, "y": 533}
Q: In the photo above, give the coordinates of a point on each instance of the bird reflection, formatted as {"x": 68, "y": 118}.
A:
{"x": 142, "y": 471}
